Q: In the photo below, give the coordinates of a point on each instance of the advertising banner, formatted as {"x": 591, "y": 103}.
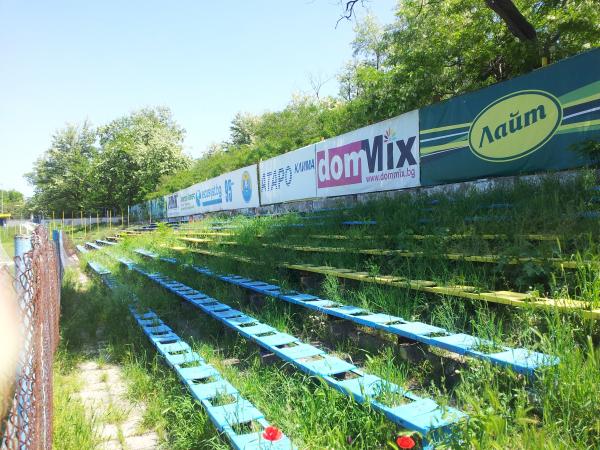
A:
{"x": 233, "y": 190}
{"x": 187, "y": 201}
{"x": 157, "y": 208}
{"x": 288, "y": 177}
{"x": 240, "y": 188}
{"x": 379, "y": 157}
{"x": 172, "y": 201}
{"x": 531, "y": 123}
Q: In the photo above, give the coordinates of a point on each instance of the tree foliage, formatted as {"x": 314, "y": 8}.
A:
{"x": 63, "y": 176}
{"x": 113, "y": 166}
{"x": 431, "y": 50}
{"x": 303, "y": 121}
{"x": 13, "y": 202}
{"x": 436, "y": 50}
{"x": 136, "y": 152}
{"x": 370, "y": 42}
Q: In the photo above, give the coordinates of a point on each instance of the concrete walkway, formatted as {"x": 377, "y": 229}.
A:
{"x": 119, "y": 421}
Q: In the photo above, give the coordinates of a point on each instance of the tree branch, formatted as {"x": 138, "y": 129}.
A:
{"x": 348, "y": 11}
{"x": 515, "y": 21}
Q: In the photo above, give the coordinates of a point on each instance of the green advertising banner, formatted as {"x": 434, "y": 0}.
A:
{"x": 528, "y": 124}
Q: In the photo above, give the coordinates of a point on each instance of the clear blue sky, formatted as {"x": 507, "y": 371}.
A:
{"x": 67, "y": 61}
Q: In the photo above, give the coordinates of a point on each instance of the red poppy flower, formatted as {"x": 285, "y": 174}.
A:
{"x": 272, "y": 434}
{"x": 405, "y": 442}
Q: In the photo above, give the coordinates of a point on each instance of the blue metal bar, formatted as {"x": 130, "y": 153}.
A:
{"x": 521, "y": 360}
{"x": 58, "y": 245}
{"x": 203, "y": 381}
{"x": 92, "y": 246}
{"x": 359, "y": 222}
{"x": 24, "y": 410}
{"x": 473, "y": 219}
{"x": 103, "y": 242}
{"x": 412, "y": 412}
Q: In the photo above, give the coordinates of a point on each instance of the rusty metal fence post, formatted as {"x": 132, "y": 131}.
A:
{"x": 37, "y": 281}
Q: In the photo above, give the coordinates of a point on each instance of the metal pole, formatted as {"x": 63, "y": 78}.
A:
{"x": 22, "y": 286}
{"x": 22, "y": 246}
{"x": 57, "y": 238}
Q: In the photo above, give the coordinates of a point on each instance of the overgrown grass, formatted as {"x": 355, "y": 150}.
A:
{"x": 7, "y": 239}
{"x": 313, "y": 414}
{"x": 557, "y": 410}
{"x": 73, "y": 429}
{"x": 90, "y": 313}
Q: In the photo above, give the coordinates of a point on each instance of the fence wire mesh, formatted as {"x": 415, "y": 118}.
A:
{"x": 28, "y": 424}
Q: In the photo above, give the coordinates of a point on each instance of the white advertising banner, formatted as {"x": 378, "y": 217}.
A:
{"x": 288, "y": 177}
{"x": 188, "y": 205}
{"x": 233, "y": 190}
{"x": 172, "y": 201}
{"x": 379, "y": 157}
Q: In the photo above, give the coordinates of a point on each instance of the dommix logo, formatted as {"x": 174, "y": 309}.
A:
{"x": 343, "y": 165}
{"x": 515, "y": 126}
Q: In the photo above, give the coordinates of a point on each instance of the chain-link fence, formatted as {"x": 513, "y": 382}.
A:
{"x": 28, "y": 424}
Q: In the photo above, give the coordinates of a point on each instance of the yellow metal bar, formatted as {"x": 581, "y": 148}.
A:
{"x": 510, "y": 298}
{"x": 341, "y": 237}
{"x": 565, "y": 264}
{"x": 209, "y": 233}
{"x": 217, "y": 254}
{"x": 195, "y": 240}
{"x": 469, "y": 292}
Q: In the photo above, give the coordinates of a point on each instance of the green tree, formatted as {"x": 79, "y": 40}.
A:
{"x": 431, "y": 51}
{"x": 62, "y": 177}
{"x": 136, "y": 151}
{"x": 369, "y": 42}
{"x": 112, "y": 167}
{"x": 303, "y": 121}
{"x": 437, "y": 50}
{"x": 241, "y": 130}
{"x": 13, "y": 201}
